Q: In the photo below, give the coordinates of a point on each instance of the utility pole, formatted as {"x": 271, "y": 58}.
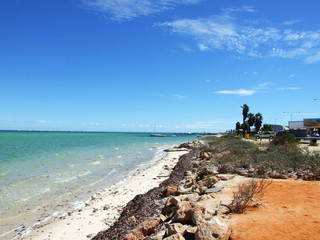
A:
{"x": 291, "y": 114}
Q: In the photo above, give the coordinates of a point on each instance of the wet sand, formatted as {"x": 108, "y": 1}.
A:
{"x": 105, "y": 208}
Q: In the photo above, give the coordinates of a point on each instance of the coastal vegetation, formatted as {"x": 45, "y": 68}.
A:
{"x": 282, "y": 158}
{"x": 249, "y": 120}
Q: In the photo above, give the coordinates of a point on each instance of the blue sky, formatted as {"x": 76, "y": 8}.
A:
{"x": 121, "y": 65}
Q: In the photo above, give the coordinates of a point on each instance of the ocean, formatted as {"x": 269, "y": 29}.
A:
{"x": 46, "y": 174}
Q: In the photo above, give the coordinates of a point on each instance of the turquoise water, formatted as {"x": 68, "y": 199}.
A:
{"x": 43, "y": 168}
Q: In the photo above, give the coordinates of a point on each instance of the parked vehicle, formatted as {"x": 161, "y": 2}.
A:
{"x": 280, "y": 133}
{"x": 265, "y": 135}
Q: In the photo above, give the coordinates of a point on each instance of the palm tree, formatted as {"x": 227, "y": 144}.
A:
{"x": 238, "y": 126}
{"x": 258, "y": 122}
{"x": 245, "y": 110}
{"x": 251, "y": 120}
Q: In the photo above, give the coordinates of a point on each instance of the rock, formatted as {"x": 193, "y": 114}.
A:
{"x": 184, "y": 213}
{"x": 193, "y": 197}
{"x": 175, "y": 228}
{"x": 191, "y": 230}
{"x": 278, "y": 175}
{"x": 95, "y": 210}
{"x": 176, "y": 236}
{"x": 188, "y": 173}
{"x": 91, "y": 235}
{"x": 214, "y": 190}
{"x": 203, "y": 232}
{"x": 106, "y": 207}
{"x": 173, "y": 201}
{"x": 132, "y": 219}
{"x": 163, "y": 218}
{"x": 204, "y": 171}
{"x": 225, "y": 177}
{"x": 144, "y": 229}
{"x": 204, "y": 197}
{"x": 156, "y": 236}
{"x": 218, "y": 230}
{"x": 170, "y": 190}
{"x": 203, "y": 189}
{"x": 182, "y": 190}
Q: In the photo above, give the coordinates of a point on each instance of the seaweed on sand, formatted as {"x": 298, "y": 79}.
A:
{"x": 147, "y": 205}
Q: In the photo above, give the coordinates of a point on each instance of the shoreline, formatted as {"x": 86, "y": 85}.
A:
{"x": 105, "y": 207}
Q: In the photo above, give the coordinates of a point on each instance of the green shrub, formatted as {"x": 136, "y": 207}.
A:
{"x": 285, "y": 139}
{"x": 231, "y": 136}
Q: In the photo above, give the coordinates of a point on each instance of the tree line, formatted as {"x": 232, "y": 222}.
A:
{"x": 249, "y": 120}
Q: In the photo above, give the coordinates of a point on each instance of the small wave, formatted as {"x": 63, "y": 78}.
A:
{"x": 78, "y": 204}
{"x": 84, "y": 174}
{"x": 34, "y": 195}
{"x": 100, "y": 156}
{"x": 112, "y": 171}
{"x": 119, "y": 156}
{"x": 95, "y": 163}
{"x": 66, "y": 180}
{"x": 3, "y": 174}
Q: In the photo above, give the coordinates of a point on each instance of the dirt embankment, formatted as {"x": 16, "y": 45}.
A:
{"x": 290, "y": 210}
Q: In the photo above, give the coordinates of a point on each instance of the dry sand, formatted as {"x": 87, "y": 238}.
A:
{"x": 102, "y": 211}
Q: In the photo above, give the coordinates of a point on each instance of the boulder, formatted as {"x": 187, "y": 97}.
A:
{"x": 225, "y": 177}
{"x": 193, "y": 197}
{"x": 184, "y": 213}
{"x": 173, "y": 201}
{"x": 204, "y": 232}
{"x": 170, "y": 190}
{"x": 214, "y": 190}
{"x": 144, "y": 229}
{"x": 176, "y": 236}
{"x": 175, "y": 228}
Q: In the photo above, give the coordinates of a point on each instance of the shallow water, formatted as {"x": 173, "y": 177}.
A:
{"x": 45, "y": 172}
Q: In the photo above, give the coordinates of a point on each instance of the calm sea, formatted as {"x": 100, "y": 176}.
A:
{"x": 45, "y": 169}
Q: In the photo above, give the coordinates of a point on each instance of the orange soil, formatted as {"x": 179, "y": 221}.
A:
{"x": 290, "y": 210}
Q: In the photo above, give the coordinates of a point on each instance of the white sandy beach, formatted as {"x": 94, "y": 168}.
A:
{"x": 106, "y": 207}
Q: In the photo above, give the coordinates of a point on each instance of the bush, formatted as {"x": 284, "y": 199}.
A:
{"x": 231, "y": 136}
{"x": 285, "y": 139}
{"x": 246, "y": 194}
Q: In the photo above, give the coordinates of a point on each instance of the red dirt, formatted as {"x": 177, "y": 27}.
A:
{"x": 290, "y": 210}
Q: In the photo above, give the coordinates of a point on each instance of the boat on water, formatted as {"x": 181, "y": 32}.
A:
{"x": 154, "y": 134}
{"x": 157, "y": 135}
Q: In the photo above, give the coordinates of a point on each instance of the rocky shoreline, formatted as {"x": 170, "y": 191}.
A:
{"x": 182, "y": 207}
{"x": 193, "y": 202}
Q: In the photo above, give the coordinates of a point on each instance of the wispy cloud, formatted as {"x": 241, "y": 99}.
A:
{"x": 120, "y": 10}
{"x": 290, "y": 88}
{"x": 178, "y": 96}
{"x": 252, "y": 38}
{"x": 49, "y": 122}
{"x": 290, "y": 22}
{"x": 240, "y": 9}
{"x": 240, "y": 92}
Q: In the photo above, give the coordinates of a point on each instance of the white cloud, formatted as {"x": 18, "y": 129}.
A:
{"x": 292, "y": 22}
{"x": 48, "y": 122}
{"x": 290, "y": 88}
{"x": 245, "y": 37}
{"x": 240, "y": 9}
{"x": 203, "y": 47}
{"x": 240, "y": 92}
{"x": 129, "y": 9}
{"x": 178, "y": 96}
